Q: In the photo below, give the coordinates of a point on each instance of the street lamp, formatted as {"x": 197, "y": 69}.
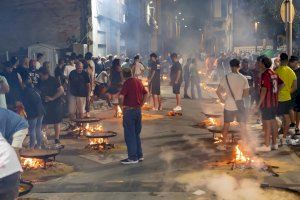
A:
{"x": 256, "y": 35}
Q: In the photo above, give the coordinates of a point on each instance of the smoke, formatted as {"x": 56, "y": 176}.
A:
{"x": 226, "y": 187}
{"x": 200, "y": 145}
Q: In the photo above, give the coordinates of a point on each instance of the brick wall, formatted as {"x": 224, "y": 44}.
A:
{"x": 25, "y": 22}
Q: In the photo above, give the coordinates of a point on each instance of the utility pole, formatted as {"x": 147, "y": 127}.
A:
{"x": 289, "y": 17}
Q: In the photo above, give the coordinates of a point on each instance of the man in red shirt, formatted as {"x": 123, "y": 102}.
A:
{"x": 268, "y": 103}
{"x": 133, "y": 96}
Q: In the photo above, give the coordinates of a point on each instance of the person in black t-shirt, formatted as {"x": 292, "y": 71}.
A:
{"x": 79, "y": 82}
{"x": 14, "y": 81}
{"x": 176, "y": 80}
{"x": 294, "y": 63}
{"x": 51, "y": 91}
{"x": 35, "y": 112}
{"x": 154, "y": 81}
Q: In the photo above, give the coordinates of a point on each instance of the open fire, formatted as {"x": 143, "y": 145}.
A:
{"x": 119, "y": 112}
{"x": 32, "y": 163}
{"x": 99, "y": 138}
{"x": 207, "y": 88}
{"x": 210, "y": 122}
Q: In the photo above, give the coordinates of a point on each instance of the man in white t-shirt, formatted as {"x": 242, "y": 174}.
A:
{"x": 237, "y": 84}
{"x": 10, "y": 169}
{"x": 137, "y": 68}
{"x": 4, "y": 88}
{"x": 69, "y": 67}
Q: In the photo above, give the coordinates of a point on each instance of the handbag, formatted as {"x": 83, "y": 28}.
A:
{"x": 239, "y": 103}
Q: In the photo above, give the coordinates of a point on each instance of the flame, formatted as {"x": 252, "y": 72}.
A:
{"x": 240, "y": 157}
{"x": 207, "y": 88}
{"x": 32, "y": 163}
{"x": 119, "y": 112}
{"x": 100, "y": 141}
{"x": 89, "y": 129}
{"x": 201, "y": 73}
{"x": 147, "y": 106}
{"x": 164, "y": 78}
{"x": 210, "y": 122}
{"x": 218, "y": 139}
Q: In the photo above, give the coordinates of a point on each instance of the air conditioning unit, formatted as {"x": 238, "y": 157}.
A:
{"x": 80, "y": 49}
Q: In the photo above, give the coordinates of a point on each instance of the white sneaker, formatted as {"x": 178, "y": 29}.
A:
{"x": 275, "y": 146}
{"x": 263, "y": 148}
{"x": 177, "y": 108}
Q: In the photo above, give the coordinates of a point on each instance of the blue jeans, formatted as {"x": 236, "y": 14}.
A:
{"x": 35, "y": 132}
{"x": 132, "y": 123}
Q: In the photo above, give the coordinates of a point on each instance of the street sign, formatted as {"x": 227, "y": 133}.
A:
{"x": 287, "y": 11}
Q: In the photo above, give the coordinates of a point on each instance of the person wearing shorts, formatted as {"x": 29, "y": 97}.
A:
{"x": 289, "y": 78}
{"x": 154, "y": 81}
{"x": 270, "y": 86}
{"x": 176, "y": 80}
{"x": 294, "y": 63}
{"x": 238, "y": 84}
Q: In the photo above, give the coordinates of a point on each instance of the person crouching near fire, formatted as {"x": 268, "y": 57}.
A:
{"x": 13, "y": 130}
{"x": 236, "y": 87}
{"x": 132, "y": 97}
{"x": 271, "y": 84}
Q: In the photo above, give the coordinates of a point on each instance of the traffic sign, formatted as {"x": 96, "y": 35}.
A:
{"x": 287, "y": 11}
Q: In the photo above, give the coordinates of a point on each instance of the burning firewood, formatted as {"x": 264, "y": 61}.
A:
{"x": 173, "y": 114}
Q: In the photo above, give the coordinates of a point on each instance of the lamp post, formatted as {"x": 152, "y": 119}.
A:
{"x": 256, "y": 35}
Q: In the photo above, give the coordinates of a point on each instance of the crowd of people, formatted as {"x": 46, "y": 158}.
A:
{"x": 31, "y": 98}
{"x": 269, "y": 88}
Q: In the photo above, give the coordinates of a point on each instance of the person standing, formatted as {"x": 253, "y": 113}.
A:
{"x": 33, "y": 73}
{"x": 245, "y": 70}
{"x": 126, "y": 63}
{"x": 70, "y": 66}
{"x": 39, "y": 59}
{"x": 14, "y": 81}
{"x": 23, "y": 69}
{"x": 187, "y": 77}
{"x": 271, "y": 84}
{"x": 138, "y": 68}
{"x": 195, "y": 79}
{"x": 51, "y": 92}
{"x": 295, "y": 65}
{"x": 4, "y": 88}
{"x": 132, "y": 97}
{"x": 289, "y": 78}
{"x": 236, "y": 87}
{"x": 154, "y": 81}
{"x": 176, "y": 80}
{"x": 35, "y": 112}
{"x": 116, "y": 82}
{"x": 59, "y": 71}
{"x": 80, "y": 89}
{"x": 100, "y": 67}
